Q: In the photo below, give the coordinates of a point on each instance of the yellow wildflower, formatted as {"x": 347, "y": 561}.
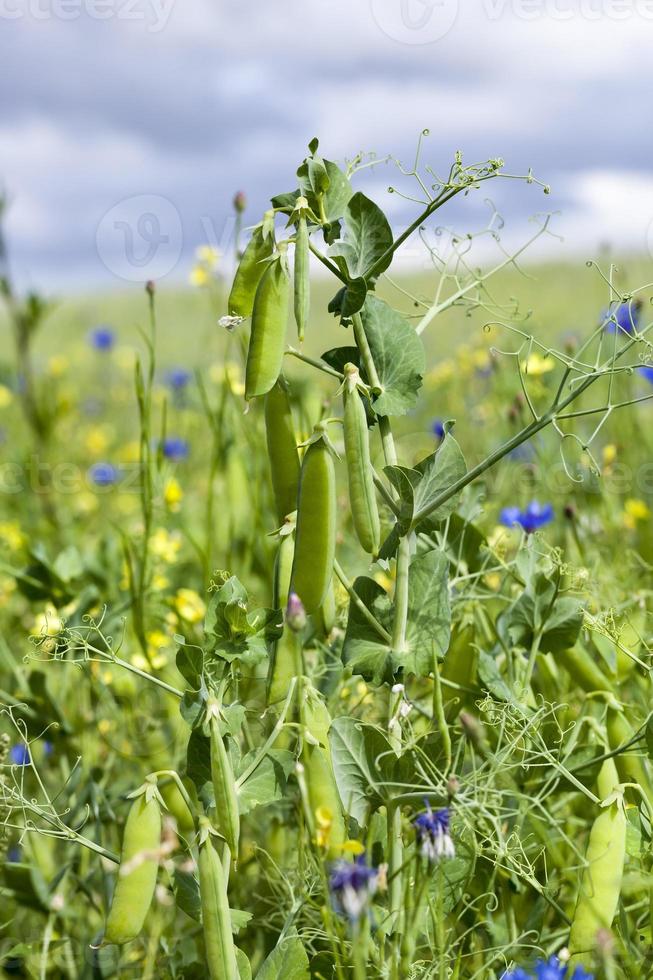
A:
{"x": 165, "y": 545}
{"x": 323, "y": 825}
{"x": 11, "y": 535}
{"x": 6, "y": 396}
{"x": 130, "y": 452}
{"x": 609, "y": 454}
{"x": 173, "y": 494}
{"x": 635, "y": 511}
{"x": 47, "y": 623}
{"x": 57, "y": 365}
{"x": 189, "y": 605}
{"x": 97, "y": 440}
{"x": 199, "y": 276}
{"x": 208, "y": 255}
{"x": 441, "y": 373}
{"x": 229, "y": 373}
{"x": 536, "y": 365}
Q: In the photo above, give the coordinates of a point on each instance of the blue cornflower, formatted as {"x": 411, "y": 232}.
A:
{"x": 103, "y": 474}
{"x": 647, "y": 372}
{"x": 19, "y": 755}
{"x": 353, "y": 884}
{"x": 533, "y": 517}
{"x": 437, "y": 428}
{"x": 14, "y": 854}
{"x": 551, "y": 969}
{"x": 624, "y": 318}
{"x": 177, "y": 378}
{"x": 102, "y": 338}
{"x": 433, "y": 829}
{"x": 174, "y": 448}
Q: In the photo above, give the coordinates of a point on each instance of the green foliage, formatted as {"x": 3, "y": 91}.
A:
{"x": 490, "y": 671}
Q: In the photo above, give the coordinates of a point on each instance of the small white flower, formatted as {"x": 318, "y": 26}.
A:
{"x": 230, "y": 322}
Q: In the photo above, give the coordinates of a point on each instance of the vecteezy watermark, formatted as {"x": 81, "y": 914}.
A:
{"x": 415, "y": 21}
{"x": 153, "y": 13}
{"x": 140, "y": 238}
{"x": 564, "y": 10}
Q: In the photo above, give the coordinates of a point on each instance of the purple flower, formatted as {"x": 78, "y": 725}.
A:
{"x": 103, "y": 474}
{"x": 14, "y": 854}
{"x": 19, "y": 755}
{"x": 102, "y": 338}
{"x": 624, "y": 318}
{"x": 533, "y": 517}
{"x": 295, "y": 613}
{"x": 353, "y": 884}
{"x": 174, "y": 448}
{"x": 433, "y": 830}
{"x": 437, "y": 428}
{"x": 551, "y": 969}
{"x": 177, "y": 378}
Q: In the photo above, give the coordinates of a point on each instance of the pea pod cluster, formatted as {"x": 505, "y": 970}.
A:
{"x": 267, "y": 342}
{"x": 138, "y": 869}
{"x": 216, "y": 918}
{"x": 315, "y": 545}
{"x": 362, "y": 495}
{"x": 282, "y": 449}
{"x": 600, "y": 885}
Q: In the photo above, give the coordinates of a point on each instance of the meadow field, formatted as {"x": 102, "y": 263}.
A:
{"x": 339, "y": 670}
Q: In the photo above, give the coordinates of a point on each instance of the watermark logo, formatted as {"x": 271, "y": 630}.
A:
{"x": 140, "y": 238}
{"x": 415, "y": 21}
{"x": 154, "y": 14}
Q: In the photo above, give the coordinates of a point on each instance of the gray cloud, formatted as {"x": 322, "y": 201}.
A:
{"x": 227, "y": 95}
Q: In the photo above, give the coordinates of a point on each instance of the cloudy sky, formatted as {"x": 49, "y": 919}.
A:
{"x": 127, "y": 125}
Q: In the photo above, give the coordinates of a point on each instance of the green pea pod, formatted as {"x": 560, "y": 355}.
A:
{"x": 327, "y": 615}
{"x": 227, "y": 819}
{"x": 250, "y": 269}
{"x": 216, "y": 918}
{"x": 315, "y": 545}
{"x": 139, "y": 863}
{"x": 286, "y": 654}
{"x": 267, "y": 342}
{"x": 177, "y": 805}
{"x": 631, "y": 765}
{"x": 302, "y": 277}
{"x": 583, "y": 669}
{"x": 282, "y": 449}
{"x": 362, "y": 496}
{"x": 600, "y": 885}
{"x": 323, "y": 795}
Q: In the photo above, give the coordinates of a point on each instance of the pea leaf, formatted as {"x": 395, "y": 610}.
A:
{"x": 357, "y": 754}
{"x": 398, "y": 355}
{"x": 429, "y": 612}
{"x": 419, "y": 487}
{"x": 364, "y": 651}
{"x": 288, "y": 960}
{"x": 539, "y": 609}
{"x": 367, "y": 238}
{"x": 334, "y": 199}
{"x": 234, "y": 632}
{"x": 267, "y": 783}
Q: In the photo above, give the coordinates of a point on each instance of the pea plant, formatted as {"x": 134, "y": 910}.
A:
{"x": 408, "y": 749}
